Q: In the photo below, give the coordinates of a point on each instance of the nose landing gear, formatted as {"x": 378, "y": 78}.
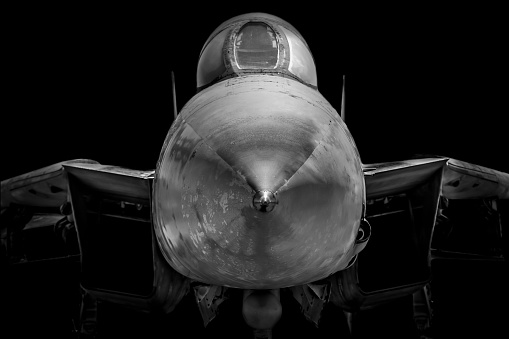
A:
{"x": 261, "y": 310}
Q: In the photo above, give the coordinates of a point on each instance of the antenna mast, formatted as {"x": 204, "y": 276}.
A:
{"x": 343, "y": 101}
{"x": 174, "y": 96}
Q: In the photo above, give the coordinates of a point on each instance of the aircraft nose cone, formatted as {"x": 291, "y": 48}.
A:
{"x": 258, "y": 186}
{"x": 264, "y": 201}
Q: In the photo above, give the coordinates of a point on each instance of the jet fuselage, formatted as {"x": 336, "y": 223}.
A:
{"x": 235, "y": 140}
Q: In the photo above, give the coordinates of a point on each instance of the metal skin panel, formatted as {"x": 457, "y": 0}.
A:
{"x": 45, "y": 187}
{"x": 246, "y": 135}
{"x": 391, "y": 178}
{"x": 463, "y": 180}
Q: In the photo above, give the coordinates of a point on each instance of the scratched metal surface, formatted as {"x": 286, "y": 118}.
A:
{"x": 234, "y": 139}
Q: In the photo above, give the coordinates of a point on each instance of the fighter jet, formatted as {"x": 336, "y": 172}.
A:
{"x": 259, "y": 188}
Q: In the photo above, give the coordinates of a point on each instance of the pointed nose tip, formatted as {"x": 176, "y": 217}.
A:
{"x": 264, "y": 201}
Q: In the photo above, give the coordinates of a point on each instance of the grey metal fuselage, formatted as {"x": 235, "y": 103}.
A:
{"x": 250, "y": 134}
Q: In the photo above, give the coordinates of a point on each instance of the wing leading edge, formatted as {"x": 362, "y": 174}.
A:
{"x": 47, "y": 186}
{"x": 460, "y": 180}
{"x": 44, "y": 187}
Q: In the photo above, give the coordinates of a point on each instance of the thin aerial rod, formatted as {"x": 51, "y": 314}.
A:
{"x": 343, "y": 101}
{"x": 175, "y": 113}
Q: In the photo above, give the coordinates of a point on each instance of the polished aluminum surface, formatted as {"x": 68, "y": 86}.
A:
{"x": 264, "y": 201}
{"x": 244, "y": 136}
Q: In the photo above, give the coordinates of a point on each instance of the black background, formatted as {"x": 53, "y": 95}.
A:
{"x": 95, "y": 82}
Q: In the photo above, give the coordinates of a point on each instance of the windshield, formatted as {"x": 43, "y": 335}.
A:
{"x": 256, "y": 47}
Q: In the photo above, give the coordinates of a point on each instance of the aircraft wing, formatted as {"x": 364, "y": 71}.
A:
{"x": 384, "y": 179}
{"x": 469, "y": 199}
{"x": 422, "y": 210}
{"x": 48, "y": 186}
{"x": 463, "y": 180}
{"x": 460, "y": 180}
{"x": 44, "y": 187}
{"x": 107, "y": 210}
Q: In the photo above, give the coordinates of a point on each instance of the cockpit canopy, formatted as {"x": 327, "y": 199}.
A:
{"x": 255, "y": 43}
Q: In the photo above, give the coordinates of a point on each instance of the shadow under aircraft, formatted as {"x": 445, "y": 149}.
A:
{"x": 259, "y": 207}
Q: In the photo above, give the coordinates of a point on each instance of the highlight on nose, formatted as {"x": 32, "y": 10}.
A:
{"x": 264, "y": 201}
